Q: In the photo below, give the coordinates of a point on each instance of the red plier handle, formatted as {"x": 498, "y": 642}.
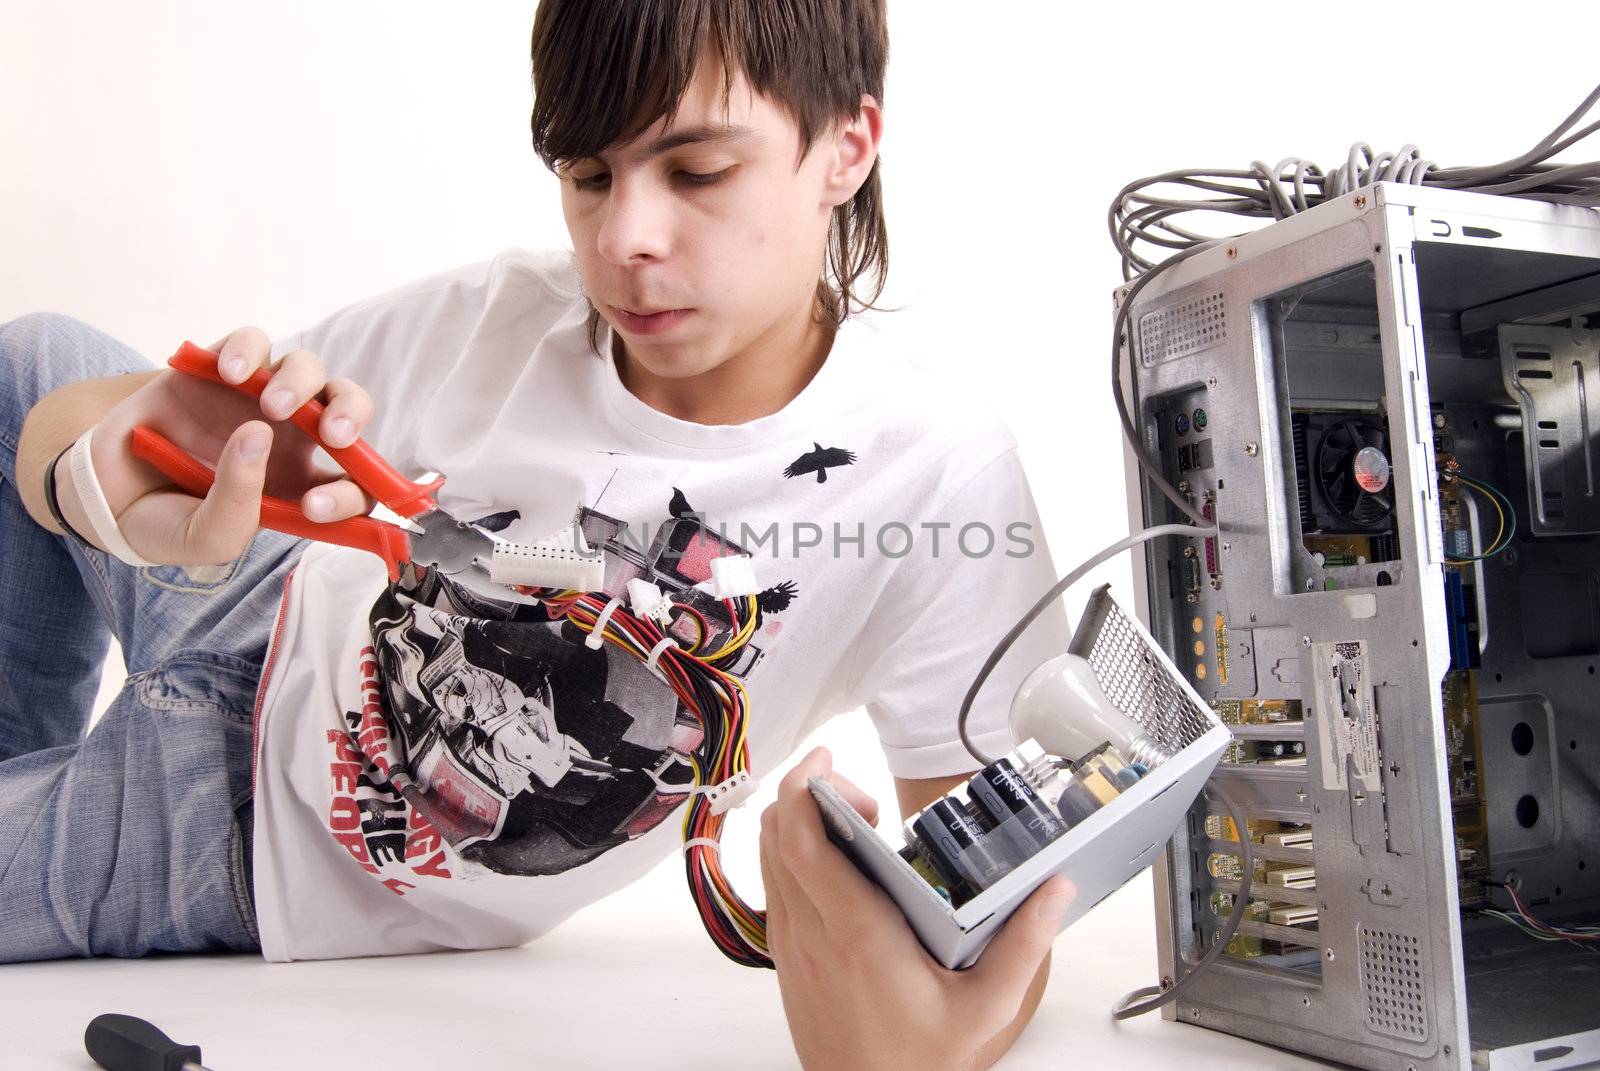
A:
{"x": 365, "y": 466}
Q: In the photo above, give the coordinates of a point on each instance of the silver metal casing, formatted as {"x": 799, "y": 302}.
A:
{"x": 1405, "y": 305}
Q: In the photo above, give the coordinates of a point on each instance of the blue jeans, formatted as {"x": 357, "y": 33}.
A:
{"x": 134, "y": 837}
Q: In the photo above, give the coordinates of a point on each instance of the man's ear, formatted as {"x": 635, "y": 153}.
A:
{"x": 854, "y": 151}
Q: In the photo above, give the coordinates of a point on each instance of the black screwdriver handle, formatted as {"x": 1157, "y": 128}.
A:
{"x": 125, "y": 1043}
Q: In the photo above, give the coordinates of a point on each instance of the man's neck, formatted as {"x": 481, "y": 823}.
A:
{"x": 756, "y": 382}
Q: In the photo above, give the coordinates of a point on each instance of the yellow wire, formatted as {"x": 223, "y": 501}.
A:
{"x": 739, "y": 742}
{"x": 745, "y": 919}
{"x": 1494, "y": 500}
{"x": 748, "y": 922}
{"x": 700, "y": 633}
{"x": 743, "y": 636}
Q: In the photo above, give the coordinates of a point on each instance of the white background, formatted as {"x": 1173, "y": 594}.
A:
{"x": 171, "y": 169}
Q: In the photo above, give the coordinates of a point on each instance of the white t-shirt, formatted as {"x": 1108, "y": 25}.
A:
{"x": 888, "y": 520}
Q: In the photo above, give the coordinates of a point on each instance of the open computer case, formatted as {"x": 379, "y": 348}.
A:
{"x": 1389, "y": 403}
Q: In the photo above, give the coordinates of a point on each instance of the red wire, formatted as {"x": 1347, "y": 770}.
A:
{"x": 698, "y": 616}
{"x": 1545, "y": 927}
{"x": 705, "y": 876}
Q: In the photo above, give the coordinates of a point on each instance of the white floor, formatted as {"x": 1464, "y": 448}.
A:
{"x": 631, "y": 982}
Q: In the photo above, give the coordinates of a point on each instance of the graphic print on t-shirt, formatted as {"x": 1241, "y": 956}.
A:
{"x": 819, "y": 459}
{"x": 502, "y": 732}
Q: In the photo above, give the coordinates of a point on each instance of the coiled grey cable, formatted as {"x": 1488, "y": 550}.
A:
{"x": 1149, "y": 241}
{"x": 1142, "y": 216}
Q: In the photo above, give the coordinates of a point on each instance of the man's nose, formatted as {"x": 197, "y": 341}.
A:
{"x": 636, "y": 225}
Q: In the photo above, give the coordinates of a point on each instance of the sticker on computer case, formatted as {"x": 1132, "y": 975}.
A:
{"x": 1345, "y": 715}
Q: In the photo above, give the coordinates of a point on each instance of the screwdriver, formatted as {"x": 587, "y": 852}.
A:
{"x": 125, "y": 1043}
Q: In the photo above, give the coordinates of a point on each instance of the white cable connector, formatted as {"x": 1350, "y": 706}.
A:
{"x": 646, "y": 600}
{"x": 80, "y": 467}
{"x": 548, "y": 565}
{"x": 730, "y": 793}
{"x": 732, "y": 577}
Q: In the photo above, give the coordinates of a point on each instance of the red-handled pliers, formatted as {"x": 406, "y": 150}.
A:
{"x": 437, "y": 540}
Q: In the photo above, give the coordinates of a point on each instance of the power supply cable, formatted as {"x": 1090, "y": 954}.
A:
{"x": 1049, "y": 597}
{"x": 708, "y": 688}
{"x": 1160, "y": 995}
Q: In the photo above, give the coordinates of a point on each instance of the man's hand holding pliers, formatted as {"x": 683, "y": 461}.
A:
{"x": 190, "y": 470}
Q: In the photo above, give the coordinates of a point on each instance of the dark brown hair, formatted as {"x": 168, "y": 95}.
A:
{"x": 606, "y": 70}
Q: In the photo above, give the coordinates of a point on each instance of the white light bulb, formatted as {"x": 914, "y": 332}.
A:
{"x": 1062, "y": 706}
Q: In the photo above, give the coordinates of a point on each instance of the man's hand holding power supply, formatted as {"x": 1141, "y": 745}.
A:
{"x": 858, "y": 988}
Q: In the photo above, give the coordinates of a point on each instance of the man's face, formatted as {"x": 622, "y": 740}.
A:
{"x": 702, "y": 239}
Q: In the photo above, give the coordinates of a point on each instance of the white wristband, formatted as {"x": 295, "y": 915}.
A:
{"x": 102, "y": 522}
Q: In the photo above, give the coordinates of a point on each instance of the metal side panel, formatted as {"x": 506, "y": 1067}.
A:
{"x": 1554, "y": 373}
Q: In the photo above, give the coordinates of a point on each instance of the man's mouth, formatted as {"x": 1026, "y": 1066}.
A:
{"x": 648, "y": 322}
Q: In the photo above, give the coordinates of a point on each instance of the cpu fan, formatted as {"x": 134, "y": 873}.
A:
{"x": 1352, "y": 472}
{"x": 1342, "y": 471}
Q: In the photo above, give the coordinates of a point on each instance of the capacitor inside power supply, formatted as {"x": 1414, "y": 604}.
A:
{"x": 954, "y": 842}
{"x": 1011, "y": 810}
{"x": 1012, "y": 806}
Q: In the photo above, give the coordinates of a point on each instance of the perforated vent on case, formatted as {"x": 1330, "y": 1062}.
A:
{"x": 1175, "y": 331}
{"x": 1391, "y": 984}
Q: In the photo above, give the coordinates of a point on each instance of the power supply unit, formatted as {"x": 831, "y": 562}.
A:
{"x": 1099, "y": 843}
{"x": 1388, "y": 404}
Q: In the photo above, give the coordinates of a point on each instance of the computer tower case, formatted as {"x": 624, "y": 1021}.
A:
{"x": 1389, "y": 403}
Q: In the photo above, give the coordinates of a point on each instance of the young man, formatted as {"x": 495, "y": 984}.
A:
{"x": 433, "y": 770}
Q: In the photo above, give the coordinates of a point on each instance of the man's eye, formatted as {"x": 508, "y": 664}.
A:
{"x": 697, "y": 178}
